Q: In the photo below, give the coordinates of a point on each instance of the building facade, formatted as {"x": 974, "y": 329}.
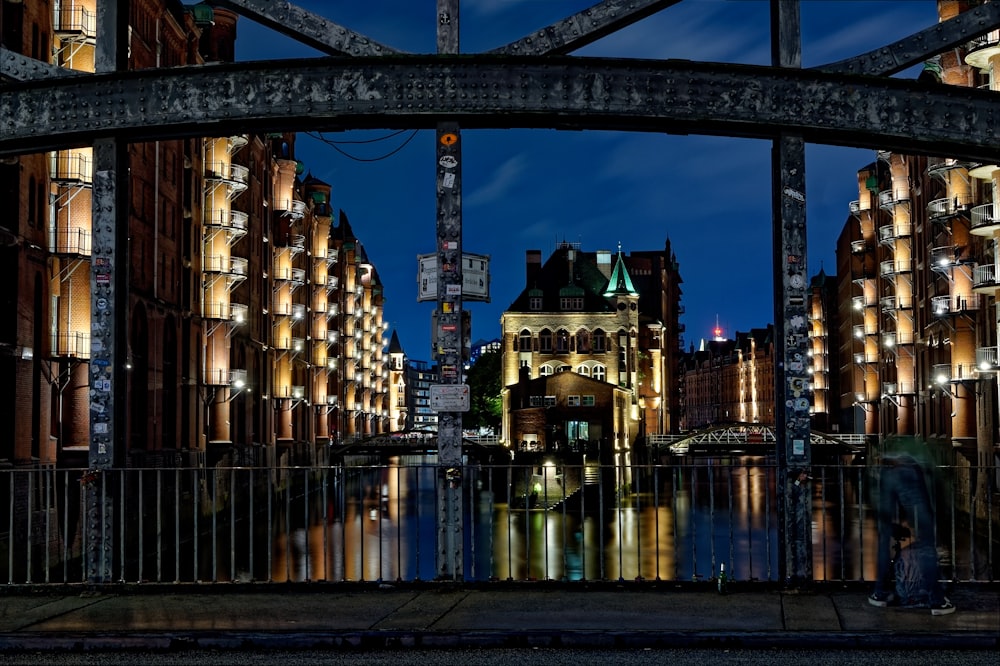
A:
{"x": 586, "y": 313}
{"x": 255, "y": 325}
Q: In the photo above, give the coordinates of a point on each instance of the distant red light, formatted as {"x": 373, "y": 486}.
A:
{"x": 718, "y": 332}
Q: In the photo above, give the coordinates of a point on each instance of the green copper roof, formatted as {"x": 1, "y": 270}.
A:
{"x": 620, "y": 282}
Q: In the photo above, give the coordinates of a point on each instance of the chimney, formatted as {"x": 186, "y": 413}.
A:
{"x": 533, "y": 264}
{"x": 604, "y": 262}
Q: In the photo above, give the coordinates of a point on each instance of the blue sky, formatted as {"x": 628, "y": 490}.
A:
{"x": 530, "y": 189}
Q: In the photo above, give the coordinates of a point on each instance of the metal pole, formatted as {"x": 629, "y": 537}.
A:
{"x": 449, "y": 316}
{"x": 108, "y": 298}
{"x": 791, "y": 380}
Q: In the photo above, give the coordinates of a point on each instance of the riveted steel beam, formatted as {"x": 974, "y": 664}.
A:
{"x": 585, "y": 27}
{"x": 558, "y": 92}
{"x": 306, "y": 27}
{"x": 920, "y": 46}
{"x": 22, "y": 68}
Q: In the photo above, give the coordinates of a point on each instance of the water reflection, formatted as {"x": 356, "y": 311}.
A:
{"x": 677, "y": 522}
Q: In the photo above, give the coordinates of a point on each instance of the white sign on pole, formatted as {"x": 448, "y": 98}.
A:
{"x": 449, "y": 397}
{"x": 475, "y": 277}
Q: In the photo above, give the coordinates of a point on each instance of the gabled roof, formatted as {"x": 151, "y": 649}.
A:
{"x": 620, "y": 283}
{"x": 553, "y": 280}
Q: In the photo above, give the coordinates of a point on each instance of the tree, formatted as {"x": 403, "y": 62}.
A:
{"x": 486, "y": 405}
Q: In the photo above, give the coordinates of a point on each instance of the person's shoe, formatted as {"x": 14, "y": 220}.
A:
{"x": 881, "y": 599}
{"x": 943, "y": 608}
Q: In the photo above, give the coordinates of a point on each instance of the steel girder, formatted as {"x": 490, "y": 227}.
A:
{"x": 488, "y": 91}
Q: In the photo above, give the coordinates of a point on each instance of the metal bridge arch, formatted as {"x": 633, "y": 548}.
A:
{"x": 527, "y": 83}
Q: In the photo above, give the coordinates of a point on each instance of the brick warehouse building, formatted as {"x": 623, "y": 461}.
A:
{"x": 590, "y": 351}
{"x": 254, "y": 315}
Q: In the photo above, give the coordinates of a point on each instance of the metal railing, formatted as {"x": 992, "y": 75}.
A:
{"x": 553, "y": 521}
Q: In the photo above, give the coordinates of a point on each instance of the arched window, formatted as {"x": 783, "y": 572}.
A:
{"x": 545, "y": 341}
{"x": 600, "y": 342}
{"x": 545, "y": 370}
{"x": 562, "y": 341}
{"x": 599, "y": 373}
{"x": 583, "y": 341}
{"x": 524, "y": 340}
{"x": 583, "y": 370}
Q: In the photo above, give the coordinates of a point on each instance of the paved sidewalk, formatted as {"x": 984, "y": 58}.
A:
{"x": 494, "y": 615}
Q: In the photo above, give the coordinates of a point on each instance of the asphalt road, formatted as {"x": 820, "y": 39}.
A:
{"x": 520, "y": 656}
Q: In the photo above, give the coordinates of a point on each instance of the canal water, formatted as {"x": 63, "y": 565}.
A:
{"x": 678, "y": 522}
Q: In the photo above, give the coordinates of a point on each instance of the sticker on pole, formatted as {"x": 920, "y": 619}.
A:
{"x": 449, "y": 139}
{"x": 449, "y": 398}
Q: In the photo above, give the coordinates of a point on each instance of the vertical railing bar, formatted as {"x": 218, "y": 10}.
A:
{"x": 565, "y": 543}
{"x": 583, "y": 519}
{"x": 12, "y": 481}
{"x": 619, "y": 489}
{"x": 232, "y": 524}
{"x": 65, "y": 524}
{"x": 954, "y": 520}
{"x": 140, "y": 523}
{"x": 990, "y": 490}
{"x": 287, "y": 472}
{"x": 416, "y": 488}
{"x": 750, "y": 566}
{"x": 842, "y": 495}
{"x": 215, "y": 524}
{"x": 972, "y": 527}
{"x": 826, "y": 529}
{"x": 195, "y": 535}
{"x": 307, "y": 553}
{"x": 637, "y": 476}
{"x": 159, "y": 525}
{"x": 399, "y": 524}
{"x": 466, "y": 481}
{"x": 545, "y": 523}
{"x": 861, "y": 520}
{"x": 324, "y": 476}
{"x": 510, "y": 527}
{"x": 527, "y": 524}
{"x": 675, "y": 474}
{"x": 732, "y": 521}
{"x": 47, "y": 503}
{"x": 251, "y": 535}
{"x": 177, "y": 524}
{"x": 490, "y": 526}
{"x": 380, "y": 575}
{"x": 767, "y": 520}
{"x": 695, "y": 469}
{"x": 270, "y": 522}
{"x": 714, "y": 560}
{"x": 30, "y": 523}
{"x": 361, "y": 523}
{"x": 109, "y": 538}
{"x": 656, "y": 518}
{"x": 600, "y": 505}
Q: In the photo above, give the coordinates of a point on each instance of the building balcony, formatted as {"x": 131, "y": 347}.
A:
{"x": 71, "y": 344}
{"x": 861, "y": 358}
{"x": 237, "y": 141}
{"x": 70, "y": 167}
{"x": 893, "y": 267}
{"x": 290, "y": 391}
{"x": 987, "y": 359}
{"x": 331, "y": 282}
{"x": 860, "y": 246}
{"x": 73, "y": 241}
{"x": 219, "y": 263}
{"x": 981, "y": 49}
{"x": 233, "y": 222}
{"x": 890, "y": 389}
{"x": 947, "y": 257}
{"x": 893, "y": 303}
{"x": 235, "y": 379}
{"x": 947, "y": 207}
{"x": 860, "y": 331}
{"x": 984, "y": 279}
{"x": 233, "y": 176}
{"x": 943, "y": 306}
{"x": 292, "y": 208}
{"x": 890, "y": 198}
{"x": 952, "y": 373}
{"x": 984, "y": 220}
{"x": 889, "y": 233}
{"x": 75, "y": 23}
{"x": 296, "y": 243}
{"x": 938, "y": 167}
{"x": 855, "y": 207}
{"x": 237, "y": 313}
{"x": 296, "y": 276}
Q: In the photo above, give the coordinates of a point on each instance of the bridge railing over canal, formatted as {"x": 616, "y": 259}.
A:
{"x": 549, "y": 521}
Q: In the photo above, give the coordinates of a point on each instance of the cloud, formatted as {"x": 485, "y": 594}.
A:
{"x": 499, "y": 184}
